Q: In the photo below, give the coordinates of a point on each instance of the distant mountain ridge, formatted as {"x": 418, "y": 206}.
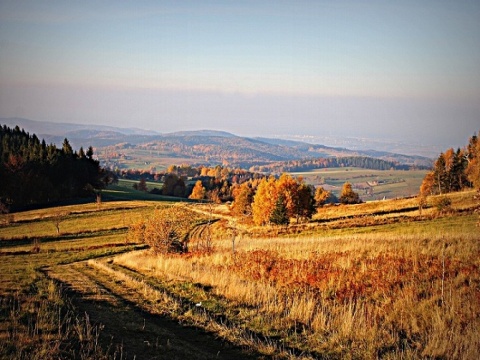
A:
{"x": 61, "y": 129}
{"x": 201, "y": 146}
{"x": 201, "y": 133}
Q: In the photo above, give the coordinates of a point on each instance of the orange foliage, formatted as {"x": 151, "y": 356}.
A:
{"x": 198, "y": 192}
{"x": 264, "y": 201}
{"x": 327, "y": 277}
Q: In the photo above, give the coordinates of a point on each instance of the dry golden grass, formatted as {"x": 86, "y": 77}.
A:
{"x": 406, "y": 290}
{"x": 43, "y": 325}
{"x": 406, "y": 206}
{"x": 377, "y": 280}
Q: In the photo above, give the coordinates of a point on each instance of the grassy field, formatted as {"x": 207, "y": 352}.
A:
{"x": 376, "y": 280}
{"x": 37, "y": 319}
{"x": 142, "y": 159}
{"x": 124, "y": 190}
{"x": 405, "y": 289}
{"x": 385, "y": 183}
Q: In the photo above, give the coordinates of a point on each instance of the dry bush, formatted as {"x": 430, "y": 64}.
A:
{"x": 164, "y": 231}
{"x": 443, "y": 204}
{"x": 36, "y": 245}
{"x": 168, "y": 230}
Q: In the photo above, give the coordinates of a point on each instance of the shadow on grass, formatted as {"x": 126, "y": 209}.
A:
{"x": 132, "y": 333}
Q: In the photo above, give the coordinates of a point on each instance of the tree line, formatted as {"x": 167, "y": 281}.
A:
{"x": 33, "y": 172}
{"x": 262, "y": 198}
{"x": 364, "y": 162}
{"x": 186, "y": 171}
{"x": 185, "y": 181}
{"x": 272, "y": 200}
{"x": 454, "y": 170}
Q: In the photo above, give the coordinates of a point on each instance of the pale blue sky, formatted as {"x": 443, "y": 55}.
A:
{"x": 385, "y": 69}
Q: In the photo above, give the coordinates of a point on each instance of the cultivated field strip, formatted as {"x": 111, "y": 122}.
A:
{"x": 142, "y": 306}
{"x": 74, "y": 277}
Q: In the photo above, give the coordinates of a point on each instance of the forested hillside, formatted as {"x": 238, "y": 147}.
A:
{"x": 454, "y": 170}
{"x": 331, "y": 162}
{"x": 33, "y": 172}
{"x": 123, "y": 149}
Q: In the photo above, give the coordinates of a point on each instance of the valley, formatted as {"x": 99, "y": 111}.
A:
{"x": 220, "y": 262}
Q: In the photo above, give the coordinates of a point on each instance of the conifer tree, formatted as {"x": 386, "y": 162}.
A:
{"x": 142, "y": 185}
{"x": 279, "y": 214}
{"x": 473, "y": 169}
{"x": 33, "y": 173}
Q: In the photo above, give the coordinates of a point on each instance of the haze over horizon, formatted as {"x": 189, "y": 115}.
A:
{"x": 386, "y": 70}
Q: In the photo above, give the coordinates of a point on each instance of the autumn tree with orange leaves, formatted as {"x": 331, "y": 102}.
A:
{"x": 348, "y": 196}
{"x": 297, "y": 198}
{"x": 198, "y": 192}
{"x": 473, "y": 168}
{"x": 321, "y": 196}
{"x": 243, "y": 198}
{"x": 264, "y": 201}
{"x": 454, "y": 170}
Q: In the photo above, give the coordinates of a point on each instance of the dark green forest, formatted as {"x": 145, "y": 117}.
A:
{"x": 33, "y": 172}
{"x": 333, "y": 162}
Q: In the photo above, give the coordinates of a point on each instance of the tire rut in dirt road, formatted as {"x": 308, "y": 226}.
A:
{"x": 72, "y": 277}
{"x": 132, "y": 332}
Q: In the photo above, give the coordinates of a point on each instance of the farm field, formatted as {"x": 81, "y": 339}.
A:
{"x": 370, "y": 184}
{"x": 376, "y": 280}
{"x": 124, "y": 190}
{"x": 143, "y": 159}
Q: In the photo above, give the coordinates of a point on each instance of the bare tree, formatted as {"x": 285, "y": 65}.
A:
{"x": 57, "y": 218}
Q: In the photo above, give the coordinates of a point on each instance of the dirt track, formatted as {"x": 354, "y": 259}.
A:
{"x": 128, "y": 329}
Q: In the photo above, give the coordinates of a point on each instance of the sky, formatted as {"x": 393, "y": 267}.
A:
{"x": 402, "y": 70}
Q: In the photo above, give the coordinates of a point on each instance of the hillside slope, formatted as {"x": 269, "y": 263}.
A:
{"x": 113, "y": 145}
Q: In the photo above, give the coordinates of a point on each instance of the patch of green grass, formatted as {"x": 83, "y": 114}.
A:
{"x": 124, "y": 191}
{"x": 31, "y": 241}
{"x": 78, "y": 222}
{"x": 20, "y": 270}
{"x": 390, "y": 183}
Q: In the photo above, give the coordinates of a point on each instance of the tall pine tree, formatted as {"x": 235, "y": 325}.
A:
{"x": 279, "y": 214}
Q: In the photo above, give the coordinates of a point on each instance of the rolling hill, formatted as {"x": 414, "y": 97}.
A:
{"x": 131, "y": 147}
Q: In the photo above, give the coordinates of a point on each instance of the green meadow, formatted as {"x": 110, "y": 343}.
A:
{"x": 384, "y": 183}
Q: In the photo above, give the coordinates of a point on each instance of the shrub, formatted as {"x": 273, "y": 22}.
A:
{"x": 443, "y": 204}
{"x": 165, "y": 231}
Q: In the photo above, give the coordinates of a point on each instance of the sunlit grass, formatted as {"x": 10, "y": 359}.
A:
{"x": 73, "y": 220}
{"x": 31, "y": 242}
{"x": 381, "y": 291}
{"x": 376, "y": 280}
